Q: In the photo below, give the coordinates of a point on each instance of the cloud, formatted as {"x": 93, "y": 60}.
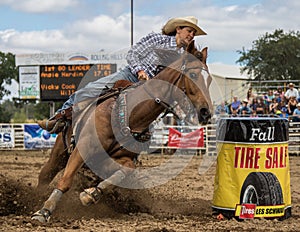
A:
{"x": 40, "y": 6}
{"x": 101, "y": 32}
{"x": 229, "y": 28}
{"x": 236, "y": 26}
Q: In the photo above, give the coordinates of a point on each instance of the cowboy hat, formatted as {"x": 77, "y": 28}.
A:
{"x": 188, "y": 21}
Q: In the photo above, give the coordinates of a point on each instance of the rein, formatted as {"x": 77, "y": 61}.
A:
{"x": 143, "y": 135}
{"x": 167, "y": 106}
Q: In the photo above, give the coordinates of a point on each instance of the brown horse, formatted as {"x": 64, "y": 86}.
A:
{"x": 112, "y": 136}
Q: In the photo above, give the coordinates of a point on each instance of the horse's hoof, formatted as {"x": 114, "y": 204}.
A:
{"x": 90, "y": 196}
{"x": 42, "y": 215}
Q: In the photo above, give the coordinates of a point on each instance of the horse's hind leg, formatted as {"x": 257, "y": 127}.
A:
{"x": 74, "y": 163}
{"x": 56, "y": 162}
{"x": 93, "y": 195}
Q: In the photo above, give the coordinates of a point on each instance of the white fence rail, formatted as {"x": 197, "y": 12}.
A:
{"x": 294, "y": 138}
{"x": 11, "y": 136}
{"x": 159, "y": 139}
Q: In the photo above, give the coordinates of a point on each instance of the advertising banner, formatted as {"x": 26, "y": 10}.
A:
{"x": 29, "y": 78}
{"x": 7, "y": 137}
{"x": 37, "y": 138}
{"x": 252, "y": 177}
{"x": 193, "y": 139}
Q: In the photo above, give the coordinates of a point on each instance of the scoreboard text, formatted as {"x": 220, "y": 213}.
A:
{"x": 58, "y": 82}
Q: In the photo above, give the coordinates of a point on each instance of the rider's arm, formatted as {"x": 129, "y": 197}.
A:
{"x": 142, "y": 57}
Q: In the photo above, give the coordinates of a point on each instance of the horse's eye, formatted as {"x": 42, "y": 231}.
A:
{"x": 193, "y": 75}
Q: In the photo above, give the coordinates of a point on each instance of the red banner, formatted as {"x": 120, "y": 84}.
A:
{"x": 186, "y": 140}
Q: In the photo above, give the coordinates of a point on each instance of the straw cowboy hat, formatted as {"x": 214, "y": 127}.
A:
{"x": 188, "y": 21}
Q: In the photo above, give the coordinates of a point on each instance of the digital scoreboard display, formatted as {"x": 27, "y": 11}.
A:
{"x": 58, "y": 82}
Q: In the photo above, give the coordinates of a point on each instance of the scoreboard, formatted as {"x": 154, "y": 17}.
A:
{"x": 58, "y": 82}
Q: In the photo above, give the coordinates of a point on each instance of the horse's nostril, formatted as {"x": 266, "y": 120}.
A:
{"x": 204, "y": 111}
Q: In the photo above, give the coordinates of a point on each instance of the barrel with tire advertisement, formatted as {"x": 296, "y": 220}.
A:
{"x": 252, "y": 177}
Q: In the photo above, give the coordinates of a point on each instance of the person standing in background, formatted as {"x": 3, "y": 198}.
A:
{"x": 291, "y": 92}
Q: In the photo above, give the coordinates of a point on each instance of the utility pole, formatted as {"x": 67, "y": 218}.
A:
{"x": 131, "y": 6}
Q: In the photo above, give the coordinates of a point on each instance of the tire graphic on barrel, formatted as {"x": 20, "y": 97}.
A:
{"x": 261, "y": 188}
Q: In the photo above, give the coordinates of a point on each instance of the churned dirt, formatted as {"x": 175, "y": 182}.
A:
{"x": 182, "y": 204}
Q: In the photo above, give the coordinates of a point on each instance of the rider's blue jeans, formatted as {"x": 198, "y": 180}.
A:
{"x": 93, "y": 89}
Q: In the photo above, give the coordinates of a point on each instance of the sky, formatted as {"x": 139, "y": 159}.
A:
{"x": 35, "y": 26}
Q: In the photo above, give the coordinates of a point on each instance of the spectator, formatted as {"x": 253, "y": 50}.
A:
{"x": 281, "y": 94}
{"x": 227, "y": 108}
{"x": 260, "y": 109}
{"x": 284, "y": 113}
{"x": 245, "y": 109}
{"x": 277, "y": 97}
{"x": 268, "y": 99}
{"x": 221, "y": 109}
{"x": 234, "y": 112}
{"x": 292, "y": 105}
{"x": 291, "y": 92}
{"x": 250, "y": 95}
{"x": 296, "y": 114}
{"x": 235, "y": 105}
{"x": 253, "y": 105}
{"x": 273, "y": 107}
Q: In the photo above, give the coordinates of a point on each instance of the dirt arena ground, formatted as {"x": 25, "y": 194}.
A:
{"x": 182, "y": 204}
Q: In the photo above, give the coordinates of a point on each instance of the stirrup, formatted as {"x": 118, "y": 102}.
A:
{"x": 58, "y": 127}
{"x": 43, "y": 215}
{"x": 90, "y": 196}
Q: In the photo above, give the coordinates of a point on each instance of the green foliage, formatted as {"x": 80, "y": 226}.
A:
{"x": 273, "y": 57}
{"x": 6, "y": 111}
{"x": 41, "y": 110}
{"x": 8, "y": 71}
{"x": 24, "y": 111}
{"x": 20, "y": 116}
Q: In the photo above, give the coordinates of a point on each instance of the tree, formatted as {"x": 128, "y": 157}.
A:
{"x": 8, "y": 71}
{"x": 273, "y": 57}
{"x": 6, "y": 111}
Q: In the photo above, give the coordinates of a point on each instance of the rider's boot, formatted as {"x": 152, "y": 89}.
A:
{"x": 56, "y": 123}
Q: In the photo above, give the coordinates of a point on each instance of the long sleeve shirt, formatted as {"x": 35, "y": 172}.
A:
{"x": 143, "y": 56}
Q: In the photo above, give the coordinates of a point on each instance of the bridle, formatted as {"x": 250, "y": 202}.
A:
{"x": 183, "y": 70}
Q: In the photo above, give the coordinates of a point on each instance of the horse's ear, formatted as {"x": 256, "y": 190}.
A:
{"x": 204, "y": 54}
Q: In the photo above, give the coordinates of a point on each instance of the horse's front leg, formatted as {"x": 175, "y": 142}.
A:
{"x": 124, "y": 167}
{"x": 74, "y": 163}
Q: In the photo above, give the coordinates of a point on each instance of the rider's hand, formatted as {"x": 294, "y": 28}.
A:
{"x": 142, "y": 75}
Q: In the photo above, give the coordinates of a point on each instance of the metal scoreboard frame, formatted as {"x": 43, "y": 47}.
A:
{"x": 55, "y": 76}
{"x": 58, "y": 82}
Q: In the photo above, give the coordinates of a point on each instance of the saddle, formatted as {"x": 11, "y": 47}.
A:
{"x": 64, "y": 118}
{"x": 119, "y": 86}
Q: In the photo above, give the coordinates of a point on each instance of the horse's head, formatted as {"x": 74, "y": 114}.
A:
{"x": 197, "y": 81}
{"x": 193, "y": 79}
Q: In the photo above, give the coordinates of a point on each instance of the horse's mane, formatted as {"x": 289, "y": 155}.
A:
{"x": 167, "y": 57}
